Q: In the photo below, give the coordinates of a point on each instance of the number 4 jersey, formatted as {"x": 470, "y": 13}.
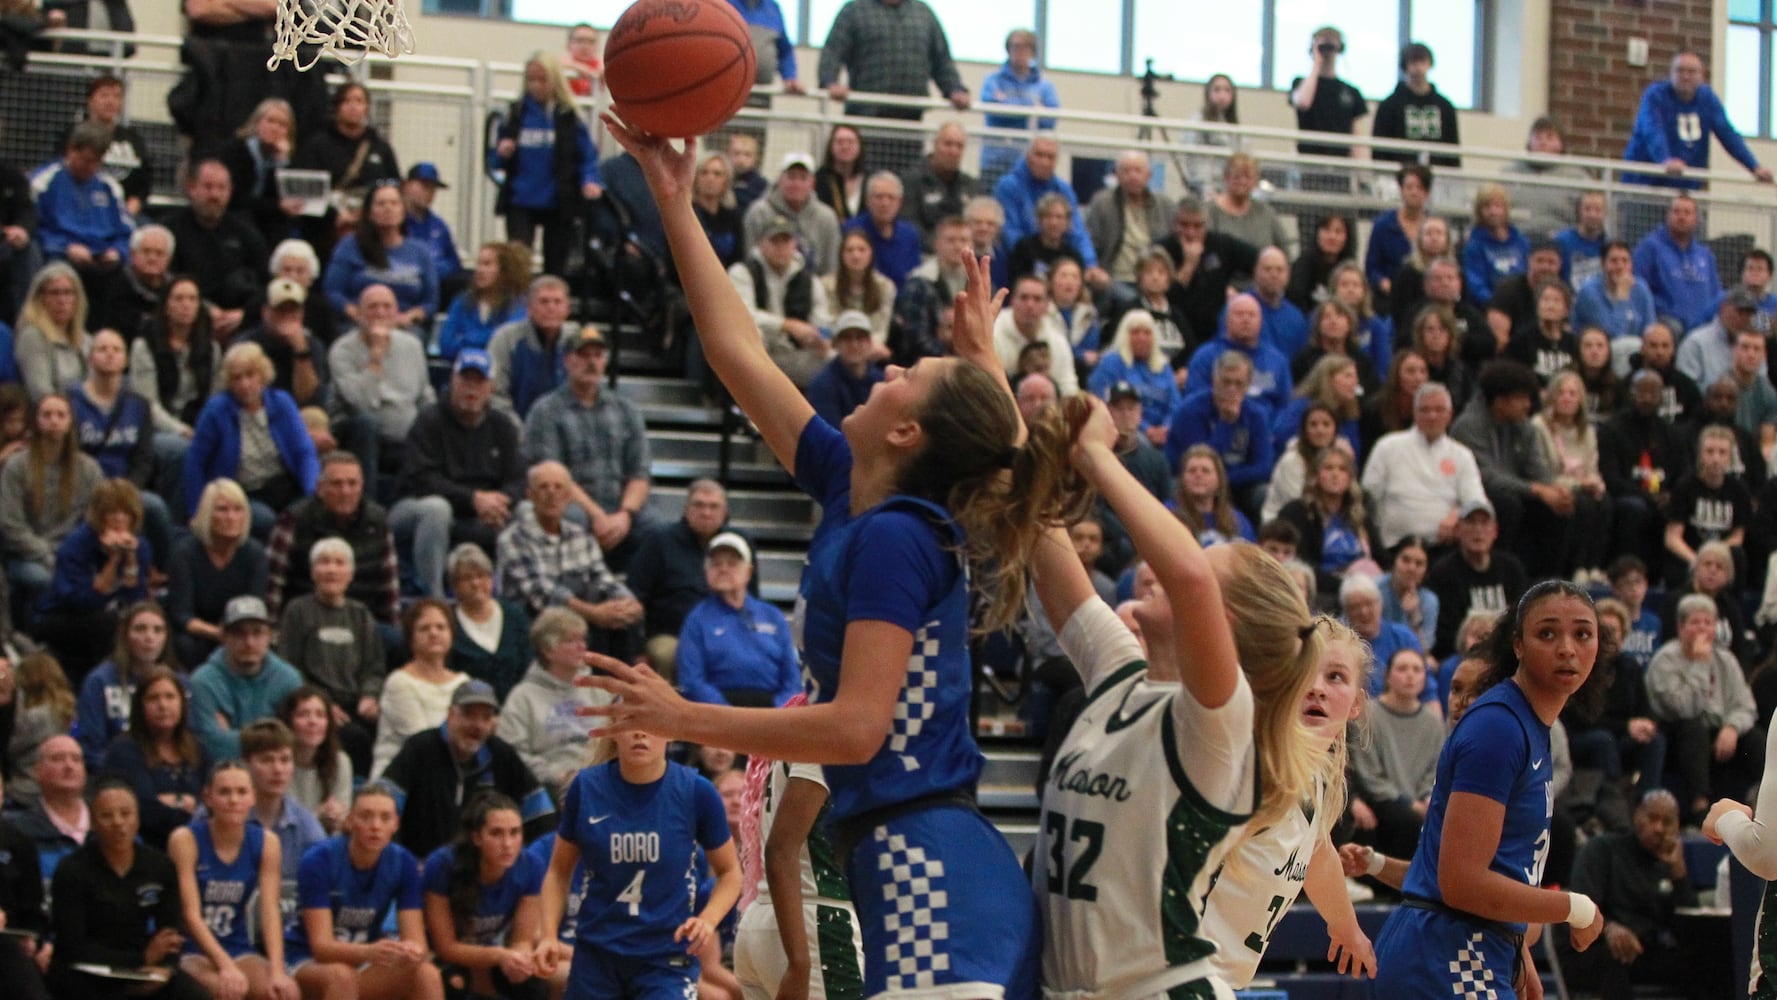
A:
{"x": 1136, "y": 817}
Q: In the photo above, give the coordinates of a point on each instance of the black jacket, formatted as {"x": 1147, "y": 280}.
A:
{"x": 1416, "y": 118}
{"x": 1225, "y": 261}
{"x": 565, "y": 157}
{"x": 21, "y": 880}
{"x": 434, "y": 787}
{"x": 228, "y": 260}
{"x": 666, "y": 575}
{"x": 333, "y": 152}
{"x": 448, "y": 459}
{"x": 1623, "y": 440}
{"x": 107, "y": 919}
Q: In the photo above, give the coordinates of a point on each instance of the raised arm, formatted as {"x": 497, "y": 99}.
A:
{"x": 730, "y": 340}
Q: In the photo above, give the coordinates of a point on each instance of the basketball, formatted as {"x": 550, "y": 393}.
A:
{"x": 679, "y": 68}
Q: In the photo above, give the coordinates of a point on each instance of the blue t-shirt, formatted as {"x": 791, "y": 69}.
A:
{"x": 227, "y": 889}
{"x": 360, "y": 899}
{"x": 492, "y": 918}
{"x": 1500, "y": 750}
{"x": 1643, "y": 638}
{"x": 888, "y": 564}
{"x": 638, "y": 845}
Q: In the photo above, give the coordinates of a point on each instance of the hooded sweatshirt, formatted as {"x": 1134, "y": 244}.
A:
{"x": 538, "y": 720}
{"x": 218, "y": 688}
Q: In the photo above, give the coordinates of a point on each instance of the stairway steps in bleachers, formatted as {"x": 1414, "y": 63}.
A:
{"x": 786, "y": 505}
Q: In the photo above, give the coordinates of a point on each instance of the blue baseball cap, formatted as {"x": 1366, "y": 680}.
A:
{"x": 425, "y": 171}
{"x": 474, "y": 359}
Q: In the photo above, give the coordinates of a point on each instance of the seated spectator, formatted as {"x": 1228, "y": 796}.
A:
{"x": 1391, "y": 409}
{"x": 839, "y": 183}
{"x": 101, "y": 567}
{"x": 814, "y": 224}
{"x": 127, "y": 159}
{"x": 743, "y": 158}
{"x": 1615, "y": 300}
{"x": 540, "y": 718}
{"x": 1372, "y": 335}
{"x": 380, "y": 382}
{"x": 735, "y": 649}
{"x": 224, "y": 251}
{"x": 1407, "y": 292}
{"x": 321, "y": 780}
{"x": 1496, "y": 427}
{"x": 1622, "y": 731}
{"x": 1332, "y": 327}
{"x": 296, "y": 261}
{"x": 712, "y": 198}
{"x": 546, "y": 559}
{"x": 1225, "y": 418}
{"x": 1405, "y": 598}
{"x": 1144, "y": 461}
{"x": 667, "y": 572}
{"x": 159, "y": 757}
{"x": 1158, "y": 293}
{"x": 80, "y": 211}
{"x": 894, "y": 242}
{"x": 1392, "y": 771}
{"x": 493, "y": 633}
{"x": 339, "y": 509}
{"x": 1205, "y": 264}
{"x": 1021, "y": 189}
{"x": 440, "y": 767}
{"x": 527, "y": 352}
{"x": 107, "y": 913}
{"x": 175, "y": 364}
{"x": 1679, "y": 268}
{"x": 44, "y": 491}
{"x": 1757, "y": 412}
{"x": 1707, "y": 352}
{"x": 416, "y": 697}
{"x": 1031, "y": 389}
{"x": 21, "y": 898}
{"x": 1310, "y": 274}
{"x": 479, "y": 925}
{"x": 1495, "y": 248}
{"x": 1334, "y": 383}
{"x": 15, "y": 420}
{"x": 1316, "y": 430}
{"x": 1584, "y": 243}
{"x": 857, "y": 285}
{"x": 49, "y": 346}
{"x": 1639, "y": 457}
{"x": 42, "y": 705}
{"x": 1126, "y": 218}
{"x": 241, "y": 682}
{"x": 1474, "y": 578}
{"x": 298, "y": 359}
{"x": 1039, "y": 251}
{"x": 1071, "y": 303}
{"x": 926, "y": 297}
{"x": 116, "y": 427}
{"x": 789, "y": 305}
{"x": 1271, "y": 382}
{"x": 1235, "y": 212}
{"x": 1605, "y": 391}
{"x": 494, "y": 297}
{"x": 551, "y": 166}
{"x": 844, "y": 384}
{"x": 1360, "y": 602}
{"x": 381, "y": 254}
{"x": 140, "y": 286}
{"x": 935, "y": 189}
{"x": 1699, "y": 693}
{"x": 1394, "y": 232}
{"x": 1284, "y": 327}
{"x": 1569, "y": 444}
{"x": 1712, "y": 575}
{"x": 1638, "y": 879}
{"x": 1515, "y": 304}
{"x": 1204, "y": 501}
{"x": 332, "y": 640}
{"x": 1547, "y": 346}
{"x": 356, "y": 158}
{"x": 266, "y": 746}
{"x": 429, "y": 229}
{"x": 258, "y": 150}
{"x": 253, "y": 434}
{"x": 1135, "y": 358}
{"x": 218, "y": 560}
{"x": 1338, "y": 535}
{"x": 103, "y": 710}
{"x": 986, "y": 219}
{"x": 58, "y": 821}
{"x": 1706, "y": 506}
{"x": 1641, "y": 633}
{"x": 1721, "y": 408}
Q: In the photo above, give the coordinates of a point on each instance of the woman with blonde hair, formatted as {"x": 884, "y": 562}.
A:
{"x": 1204, "y": 501}
{"x": 551, "y": 166}
{"x": 1134, "y": 356}
{"x": 260, "y": 148}
{"x": 1235, "y": 212}
{"x": 1338, "y": 534}
{"x": 253, "y": 434}
{"x": 219, "y": 560}
{"x": 712, "y": 198}
{"x": 1334, "y": 383}
{"x": 1372, "y": 335}
{"x": 1407, "y": 296}
{"x": 45, "y": 706}
{"x": 1495, "y": 248}
{"x": 1332, "y": 332}
{"x": 496, "y": 296}
{"x": 1570, "y": 447}
{"x": 49, "y": 343}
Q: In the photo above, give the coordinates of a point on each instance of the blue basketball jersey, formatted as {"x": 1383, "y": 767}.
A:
{"x": 1499, "y": 750}
{"x": 542, "y": 850}
{"x": 227, "y": 890}
{"x": 893, "y": 563}
{"x": 638, "y": 845}
{"x": 360, "y": 899}
{"x": 492, "y": 917}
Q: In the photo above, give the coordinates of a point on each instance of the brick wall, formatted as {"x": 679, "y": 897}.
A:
{"x": 1593, "y": 91}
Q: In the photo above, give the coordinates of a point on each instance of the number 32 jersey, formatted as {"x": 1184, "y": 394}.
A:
{"x": 638, "y": 847}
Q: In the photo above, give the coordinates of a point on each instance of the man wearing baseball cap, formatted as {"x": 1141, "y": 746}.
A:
{"x": 463, "y": 470}
{"x": 789, "y": 304}
{"x": 844, "y": 383}
{"x": 816, "y": 226}
{"x": 298, "y": 358}
{"x": 243, "y": 679}
{"x": 428, "y": 227}
{"x": 734, "y": 648}
{"x": 438, "y": 771}
{"x": 1475, "y": 577}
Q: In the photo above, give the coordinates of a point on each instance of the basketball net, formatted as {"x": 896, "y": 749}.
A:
{"x": 347, "y": 30}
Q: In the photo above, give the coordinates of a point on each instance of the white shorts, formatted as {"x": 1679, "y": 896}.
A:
{"x": 836, "y": 952}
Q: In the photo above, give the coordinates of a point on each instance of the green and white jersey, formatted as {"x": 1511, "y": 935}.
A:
{"x": 1754, "y": 841}
{"x": 1137, "y": 814}
{"x": 823, "y": 880}
{"x": 1258, "y": 883}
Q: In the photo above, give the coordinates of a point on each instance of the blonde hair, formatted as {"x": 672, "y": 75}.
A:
{"x": 1317, "y": 385}
{"x": 1488, "y": 193}
{"x": 217, "y": 491}
{"x": 1334, "y": 632}
{"x": 248, "y": 356}
{"x": 559, "y": 91}
{"x": 41, "y": 681}
{"x": 1120, "y": 341}
{"x": 727, "y": 200}
{"x": 33, "y": 313}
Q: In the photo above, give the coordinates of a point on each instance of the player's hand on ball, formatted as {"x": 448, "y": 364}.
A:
{"x": 669, "y": 170}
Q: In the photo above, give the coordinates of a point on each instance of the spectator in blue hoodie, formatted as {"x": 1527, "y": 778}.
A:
{"x": 382, "y": 253}
{"x": 1495, "y": 248}
{"x": 116, "y": 427}
{"x": 1019, "y": 81}
{"x": 1679, "y": 268}
{"x": 1582, "y": 244}
{"x": 100, "y": 567}
{"x": 80, "y": 214}
{"x": 1222, "y": 415}
{"x": 1134, "y": 359}
{"x": 1027, "y": 182}
{"x": 429, "y": 229}
{"x": 1393, "y": 233}
{"x": 242, "y": 681}
{"x": 1241, "y": 323}
{"x": 845, "y": 382}
{"x": 103, "y": 709}
{"x": 1673, "y": 126}
{"x": 496, "y": 296}
{"x": 550, "y": 163}
{"x": 735, "y": 649}
{"x": 272, "y": 482}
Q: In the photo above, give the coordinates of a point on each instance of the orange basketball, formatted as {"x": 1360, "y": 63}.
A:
{"x": 679, "y": 68}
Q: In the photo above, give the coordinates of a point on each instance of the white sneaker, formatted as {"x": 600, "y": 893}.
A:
{"x": 1358, "y": 892}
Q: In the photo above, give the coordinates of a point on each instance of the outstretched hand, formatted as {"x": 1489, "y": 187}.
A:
{"x": 645, "y": 701}
{"x": 971, "y": 333}
{"x": 669, "y": 170}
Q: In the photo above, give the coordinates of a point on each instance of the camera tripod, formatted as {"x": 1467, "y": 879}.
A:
{"x": 1150, "y": 93}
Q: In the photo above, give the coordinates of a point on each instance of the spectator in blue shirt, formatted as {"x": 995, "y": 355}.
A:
{"x": 427, "y": 227}
{"x": 497, "y": 295}
{"x": 735, "y": 649}
{"x": 845, "y": 382}
{"x": 1583, "y": 243}
{"x": 1242, "y": 320}
{"x": 1615, "y": 300}
{"x": 1391, "y": 243}
{"x": 101, "y": 567}
{"x": 1282, "y": 326}
{"x": 1673, "y": 126}
{"x": 1019, "y": 81}
{"x": 1134, "y": 359}
{"x": 1223, "y": 417}
{"x": 1679, "y": 268}
{"x": 1361, "y": 601}
{"x": 765, "y": 20}
{"x": 80, "y": 215}
{"x": 381, "y": 253}
{"x": 1025, "y": 184}
{"x": 1495, "y": 248}
{"x": 550, "y": 162}
{"x": 894, "y": 239}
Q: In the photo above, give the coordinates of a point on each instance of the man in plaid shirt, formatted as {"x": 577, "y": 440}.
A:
{"x": 889, "y": 47}
{"x": 337, "y": 510}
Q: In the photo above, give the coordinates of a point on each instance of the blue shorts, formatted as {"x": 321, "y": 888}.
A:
{"x": 942, "y": 901}
{"x": 1426, "y": 953}
{"x": 603, "y": 975}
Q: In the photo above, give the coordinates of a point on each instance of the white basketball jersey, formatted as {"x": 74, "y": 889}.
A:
{"x": 822, "y": 877}
{"x": 1128, "y": 844}
{"x": 1258, "y": 883}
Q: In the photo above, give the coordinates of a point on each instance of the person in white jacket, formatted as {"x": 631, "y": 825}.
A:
{"x": 539, "y": 718}
{"x": 1028, "y": 320}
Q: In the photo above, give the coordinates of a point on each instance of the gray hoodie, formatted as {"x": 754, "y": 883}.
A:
{"x": 538, "y": 720}
{"x": 817, "y": 228}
